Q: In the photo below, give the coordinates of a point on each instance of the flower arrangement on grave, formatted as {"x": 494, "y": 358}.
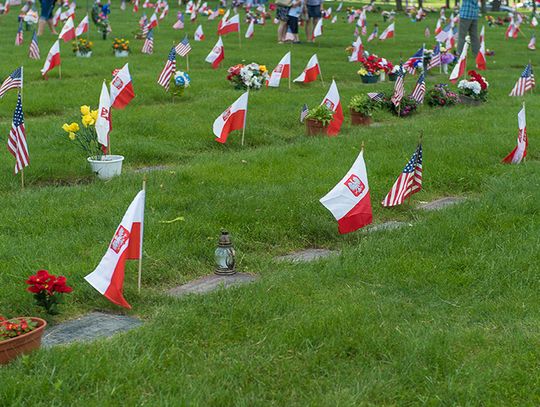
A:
{"x": 120, "y": 44}
{"x": 440, "y": 95}
{"x": 11, "y": 328}
{"x": 85, "y": 134}
{"x": 363, "y": 105}
{"x": 475, "y": 88}
{"x": 406, "y": 107}
{"x": 321, "y": 114}
{"x": 447, "y": 58}
{"x": 100, "y": 17}
{"x": 48, "y": 290}
{"x": 181, "y": 82}
{"x": 82, "y": 46}
{"x": 252, "y": 76}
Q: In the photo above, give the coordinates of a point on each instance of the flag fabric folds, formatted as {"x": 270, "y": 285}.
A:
{"x": 532, "y": 43}
{"x": 250, "y": 30}
{"x": 435, "y": 57}
{"x": 419, "y": 90}
{"x": 148, "y": 46}
{"x": 520, "y": 152}
{"x": 121, "y": 88}
{"x": 53, "y": 59}
{"x": 13, "y": 81}
{"x": 481, "y": 56}
{"x": 399, "y": 88}
{"x": 199, "y": 34}
{"x": 411, "y": 64}
{"x": 19, "y": 36}
{"x": 103, "y": 121}
{"x": 82, "y": 27}
{"x": 358, "y": 50}
{"x": 230, "y": 25}
{"x": 311, "y": 72}
{"x": 388, "y": 33}
{"x": 282, "y": 70}
{"x": 33, "y": 51}
{"x": 461, "y": 65}
{"x": 216, "y": 55}
{"x": 183, "y": 48}
{"x": 233, "y": 118}
{"x": 524, "y": 83}
{"x": 333, "y": 102}
{"x": 409, "y": 181}
{"x": 17, "y": 138}
{"x": 168, "y": 70}
{"x": 68, "y": 31}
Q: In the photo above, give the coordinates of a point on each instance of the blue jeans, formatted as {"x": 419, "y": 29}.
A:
{"x": 47, "y": 7}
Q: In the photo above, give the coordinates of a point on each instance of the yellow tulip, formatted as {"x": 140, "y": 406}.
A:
{"x": 73, "y": 127}
{"x": 71, "y": 136}
{"x": 94, "y": 113}
{"x": 85, "y": 110}
{"x": 262, "y": 68}
{"x": 88, "y": 120}
{"x": 65, "y": 127}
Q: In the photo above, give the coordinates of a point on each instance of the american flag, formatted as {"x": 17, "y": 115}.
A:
{"x": 15, "y": 80}
{"x": 183, "y": 47}
{"x": 435, "y": 57}
{"x": 399, "y": 87}
{"x": 17, "y": 138}
{"x": 377, "y": 97}
{"x": 303, "y": 113}
{"x": 19, "y": 36}
{"x": 409, "y": 181}
{"x": 148, "y": 46}
{"x": 33, "y": 52}
{"x": 373, "y": 35}
{"x": 411, "y": 64}
{"x": 168, "y": 70}
{"x": 419, "y": 90}
{"x": 525, "y": 82}
{"x": 145, "y": 30}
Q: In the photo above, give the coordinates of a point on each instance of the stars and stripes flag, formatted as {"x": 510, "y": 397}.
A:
{"x": 524, "y": 83}
{"x": 148, "y": 46}
{"x": 33, "y": 51}
{"x": 168, "y": 70}
{"x": 19, "y": 36}
{"x": 419, "y": 90}
{"x": 435, "y": 57}
{"x": 303, "y": 113}
{"x": 411, "y": 64}
{"x": 179, "y": 25}
{"x": 520, "y": 152}
{"x": 373, "y": 35}
{"x": 532, "y": 43}
{"x": 13, "y": 81}
{"x": 145, "y": 29}
{"x": 399, "y": 87}
{"x": 17, "y": 138}
{"x": 409, "y": 181}
{"x": 377, "y": 97}
{"x": 183, "y": 47}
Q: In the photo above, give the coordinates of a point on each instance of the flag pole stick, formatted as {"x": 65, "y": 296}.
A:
{"x": 320, "y": 74}
{"x": 362, "y": 147}
{"x": 22, "y": 178}
{"x": 141, "y": 253}
{"x": 60, "y": 71}
{"x": 187, "y": 62}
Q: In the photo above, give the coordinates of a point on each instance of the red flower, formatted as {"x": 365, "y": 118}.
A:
{"x": 40, "y": 281}
{"x": 60, "y": 286}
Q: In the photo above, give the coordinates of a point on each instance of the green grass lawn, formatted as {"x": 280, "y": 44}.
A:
{"x": 444, "y": 312}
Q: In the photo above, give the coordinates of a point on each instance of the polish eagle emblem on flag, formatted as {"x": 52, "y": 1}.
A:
{"x": 355, "y": 185}
{"x": 120, "y": 239}
{"x": 279, "y": 68}
{"x": 226, "y": 114}
{"x": 329, "y": 104}
{"x": 117, "y": 83}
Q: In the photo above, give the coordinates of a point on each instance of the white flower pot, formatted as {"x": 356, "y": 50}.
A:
{"x": 121, "y": 54}
{"x": 445, "y": 69}
{"x": 382, "y": 76}
{"x": 81, "y": 55}
{"x": 107, "y": 167}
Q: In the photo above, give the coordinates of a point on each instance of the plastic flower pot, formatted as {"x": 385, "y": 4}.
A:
{"x": 369, "y": 79}
{"x": 467, "y": 100}
{"x": 106, "y": 166}
{"x": 315, "y": 127}
{"x": 26, "y": 343}
{"x": 358, "y": 119}
{"x": 79, "y": 54}
{"x": 121, "y": 54}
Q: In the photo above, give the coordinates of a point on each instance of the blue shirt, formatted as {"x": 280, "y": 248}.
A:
{"x": 296, "y": 11}
{"x": 469, "y": 10}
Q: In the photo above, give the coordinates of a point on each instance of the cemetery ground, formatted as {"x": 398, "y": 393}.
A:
{"x": 442, "y": 312}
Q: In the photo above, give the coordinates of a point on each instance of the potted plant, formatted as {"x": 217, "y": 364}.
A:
{"x": 473, "y": 91}
{"x": 371, "y": 69}
{"x": 439, "y": 95}
{"x": 361, "y": 108}
{"x": 19, "y": 336}
{"x": 82, "y": 48}
{"x": 252, "y": 76}
{"x": 105, "y": 166}
{"x": 318, "y": 119}
{"x": 120, "y": 47}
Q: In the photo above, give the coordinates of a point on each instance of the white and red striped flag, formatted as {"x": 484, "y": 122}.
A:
{"x": 56, "y": 17}
{"x": 135, "y": 6}
{"x": 121, "y": 88}
{"x": 399, "y": 88}
{"x": 318, "y": 30}
{"x": 333, "y": 102}
{"x": 168, "y": 70}
{"x": 19, "y": 36}
{"x": 349, "y": 201}
{"x": 126, "y": 244}
{"x": 164, "y": 12}
{"x": 33, "y": 51}
{"x": 311, "y": 72}
{"x": 481, "y": 56}
{"x": 282, "y": 70}
{"x": 103, "y": 121}
{"x": 233, "y": 118}
{"x": 461, "y": 65}
{"x": 82, "y": 27}
{"x": 148, "y": 46}
{"x": 438, "y": 27}
{"x": 17, "y": 138}
{"x": 229, "y": 26}
{"x": 68, "y": 31}
{"x": 216, "y": 55}
{"x": 250, "y": 30}
{"x": 388, "y": 33}
{"x": 52, "y": 60}
{"x": 153, "y": 23}
{"x": 532, "y": 43}
{"x": 524, "y": 83}
{"x": 520, "y": 152}
{"x": 409, "y": 181}
{"x": 199, "y": 34}
{"x": 419, "y": 90}
{"x": 358, "y": 50}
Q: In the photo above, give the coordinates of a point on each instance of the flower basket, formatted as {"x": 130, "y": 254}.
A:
{"x": 369, "y": 78}
{"x": 106, "y": 166}
{"x": 25, "y": 343}
{"x": 358, "y": 119}
{"x": 467, "y": 100}
{"x": 121, "y": 54}
{"x": 392, "y": 77}
{"x": 79, "y": 54}
{"x": 315, "y": 127}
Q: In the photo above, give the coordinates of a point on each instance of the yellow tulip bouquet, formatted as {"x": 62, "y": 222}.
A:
{"x": 85, "y": 134}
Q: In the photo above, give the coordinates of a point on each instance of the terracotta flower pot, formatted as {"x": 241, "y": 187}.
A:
{"x": 369, "y": 79}
{"x": 467, "y": 100}
{"x": 25, "y": 343}
{"x": 358, "y": 119}
{"x": 315, "y": 127}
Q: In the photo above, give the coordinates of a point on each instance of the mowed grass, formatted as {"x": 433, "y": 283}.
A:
{"x": 444, "y": 312}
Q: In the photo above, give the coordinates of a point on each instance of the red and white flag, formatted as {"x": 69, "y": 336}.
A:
{"x": 126, "y": 244}
{"x": 532, "y": 43}
{"x": 193, "y": 16}
{"x": 53, "y": 59}
{"x": 438, "y": 27}
{"x": 216, "y": 55}
{"x": 68, "y": 31}
{"x": 153, "y": 22}
{"x": 512, "y": 31}
{"x": 199, "y": 34}
{"x": 362, "y": 22}
{"x": 333, "y": 102}
{"x": 520, "y": 152}
{"x": 349, "y": 201}
{"x": 103, "y": 122}
{"x": 250, "y": 30}
{"x": 56, "y": 17}
{"x": 82, "y": 27}
{"x": 164, "y": 12}
{"x": 481, "y": 56}
{"x": 229, "y": 26}
{"x": 233, "y": 118}
{"x": 311, "y": 72}
{"x": 121, "y": 88}
{"x": 388, "y": 33}
{"x": 70, "y": 12}
{"x": 318, "y": 30}
{"x": 358, "y": 50}
{"x": 136, "y": 6}
{"x": 282, "y": 70}
{"x": 461, "y": 65}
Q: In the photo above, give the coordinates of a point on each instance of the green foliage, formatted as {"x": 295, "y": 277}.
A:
{"x": 363, "y": 104}
{"x": 321, "y": 114}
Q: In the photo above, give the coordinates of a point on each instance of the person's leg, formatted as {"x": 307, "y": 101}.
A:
{"x": 475, "y": 41}
{"x": 464, "y": 25}
{"x": 308, "y": 24}
{"x": 282, "y": 29}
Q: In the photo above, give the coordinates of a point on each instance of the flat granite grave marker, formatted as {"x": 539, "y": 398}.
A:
{"x": 308, "y": 255}
{"x": 441, "y": 203}
{"x": 390, "y": 225}
{"x": 211, "y": 283}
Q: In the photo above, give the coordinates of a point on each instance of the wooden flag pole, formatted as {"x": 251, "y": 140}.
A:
{"x": 362, "y": 148}
{"x": 141, "y": 253}
{"x": 60, "y": 71}
{"x": 320, "y": 74}
{"x": 22, "y": 178}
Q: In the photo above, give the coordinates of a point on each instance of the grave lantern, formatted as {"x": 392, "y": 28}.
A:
{"x": 225, "y": 255}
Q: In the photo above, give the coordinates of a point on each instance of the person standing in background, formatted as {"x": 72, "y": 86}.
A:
{"x": 294, "y": 15}
{"x": 314, "y": 9}
{"x": 468, "y": 25}
{"x": 282, "y": 15}
{"x": 46, "y": 17}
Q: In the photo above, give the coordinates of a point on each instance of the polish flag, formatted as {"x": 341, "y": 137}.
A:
{"x": 53, "y": 59}
{"x": 56, "y": 17}
{"x": 193, "y": 16}
{"x": 121, "y": 88}
{"x": 388, "y": 33}
{"x": 317, "y": 31}
{"x": 311, "y": 72}
{"x": 126, "y": 244}
{"x": 438, "y": 27}
{"x": 216, "y": 55}
{"x": 164, "y": 12}
{"x": 199, "y": 34}
{"x": 362, "y": 22}
{"x": 461, "y": 65}
{"x": 103, "y": 122}
{"x": 229, "y": 26}
{"x": 213, "y": 15}
{"x": 481, "y": 57}
{"x": 136, "y": 6}
{"x": 82, "y": 27}
{"x": 349, "y": 201}
{"x": 234, "y": 118}
{"x": 512, "y": 30}
{"x": 153, "y": 22}
{"x": 250, "y": 29}
{"x": 68, "y": 31}
{"x": 532, "y": 43}
{"x": 534, "y": 22}
{"x": 146, "y": 4}
{"x": 282, "y": 70}
{"x": 332, "y": 101}
{"x": 520, "y": 152}
{"x": 358, "y": 50}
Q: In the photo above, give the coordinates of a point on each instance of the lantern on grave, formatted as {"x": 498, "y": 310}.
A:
{"x": 225, "y": 255}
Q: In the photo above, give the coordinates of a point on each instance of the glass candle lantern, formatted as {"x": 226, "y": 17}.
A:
{"x": 225, "y": 255}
